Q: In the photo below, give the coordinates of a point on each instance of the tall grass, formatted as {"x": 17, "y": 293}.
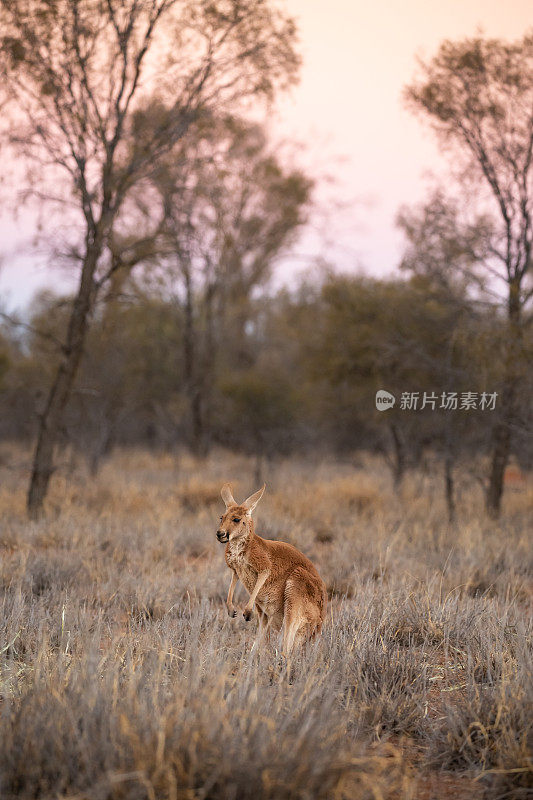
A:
{"x": 122, "y": 677}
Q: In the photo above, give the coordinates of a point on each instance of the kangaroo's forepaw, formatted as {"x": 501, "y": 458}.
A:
{"x": 232, "y": 612}
{"x": 247, "y": 614}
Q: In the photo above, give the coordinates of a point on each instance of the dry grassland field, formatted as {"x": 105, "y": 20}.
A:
{"x": 122, "y": 676}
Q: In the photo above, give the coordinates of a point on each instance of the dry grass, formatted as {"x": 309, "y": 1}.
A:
{"x": 122, "y": 677}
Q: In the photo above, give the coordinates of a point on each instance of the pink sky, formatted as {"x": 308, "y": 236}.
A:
{"x": 348, "y": 111}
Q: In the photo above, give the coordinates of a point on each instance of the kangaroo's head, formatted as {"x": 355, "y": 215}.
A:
{"x": 235, "y": 522}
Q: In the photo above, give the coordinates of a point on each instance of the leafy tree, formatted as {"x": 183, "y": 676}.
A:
{"x": 402, "y": 336}
{"x": 74, "y": 73}
{"x": 478, "y": 96}
{"x": 446, "y": 253}
{"x": 129, "y": 381}
{"x": 230, "y": 209}
{"x": 259, "y": 413}
{"x": 448, "y": 248}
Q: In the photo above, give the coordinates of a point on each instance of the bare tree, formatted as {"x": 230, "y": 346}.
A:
{"x": 478, "y": 96}
{"x": 74, "y": 73}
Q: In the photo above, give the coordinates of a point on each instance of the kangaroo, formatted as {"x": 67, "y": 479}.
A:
{"x": 284, "y": 587}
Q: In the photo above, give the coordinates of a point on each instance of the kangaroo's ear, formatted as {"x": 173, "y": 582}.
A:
{"x": 251, "y": 502}
{"x": 227, "y": 496}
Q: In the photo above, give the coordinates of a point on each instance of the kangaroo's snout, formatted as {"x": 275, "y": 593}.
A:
{"x": 222, "y": 536}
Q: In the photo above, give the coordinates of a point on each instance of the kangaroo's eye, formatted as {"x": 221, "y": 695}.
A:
{"x": 236, "y": 519}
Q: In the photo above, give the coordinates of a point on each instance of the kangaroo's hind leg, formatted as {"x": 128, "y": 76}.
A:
{"x": 264, "y": 624}
{"x": 294, "y": 616}
{"x": 263, "y": 630}
{"x": 302, "y": 617}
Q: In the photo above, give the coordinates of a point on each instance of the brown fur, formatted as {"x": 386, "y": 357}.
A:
{"x": 284, "y": 586}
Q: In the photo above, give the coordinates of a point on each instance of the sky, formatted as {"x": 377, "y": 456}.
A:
{"x": 348, "y": 115}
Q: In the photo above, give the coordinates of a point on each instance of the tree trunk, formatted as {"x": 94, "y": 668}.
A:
{"x": 199, "y": 445}
{"x": 191, "y": 369}
{"x": 258, "y": 469}
{"x": 449, "y": 461}
{"x": 100, "y": 447}
{"x": 399, "y": 456}
{"x": 501, "y": 437}
{"x": 50, "y": 420}
{"x": 501, "y": 450}
{"x": 449, "y": 487}
{"x": 207, "y": 369}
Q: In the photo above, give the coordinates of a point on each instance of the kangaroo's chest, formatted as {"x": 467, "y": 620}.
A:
{"x": 236, "y": 559}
